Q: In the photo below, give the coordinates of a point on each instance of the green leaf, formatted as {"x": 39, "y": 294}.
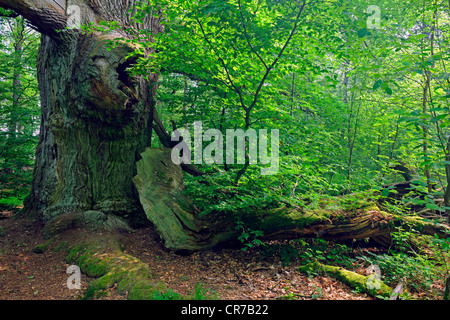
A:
{"x": 362, "y": 32}
{"x": 377, "y": 84}
{"x": 388, "y": 91}
{"x": 439, "y": 117}
{"x": 438, "y": 109}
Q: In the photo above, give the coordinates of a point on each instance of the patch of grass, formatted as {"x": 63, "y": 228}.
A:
{"x": 11, "y": 202}
{"x": 168, "y": 295}
{"x": 203, "y": 293}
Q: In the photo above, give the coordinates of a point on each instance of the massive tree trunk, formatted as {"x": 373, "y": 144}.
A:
{"x": 96, "y": 119}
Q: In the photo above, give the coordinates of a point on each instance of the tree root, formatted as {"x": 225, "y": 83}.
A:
{"x": 104, "y": 259}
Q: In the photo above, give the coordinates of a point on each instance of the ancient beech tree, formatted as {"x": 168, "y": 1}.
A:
{"x": 95, "y": 118}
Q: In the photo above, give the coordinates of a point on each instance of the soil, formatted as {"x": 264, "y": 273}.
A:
{"x": 224, "y": 274}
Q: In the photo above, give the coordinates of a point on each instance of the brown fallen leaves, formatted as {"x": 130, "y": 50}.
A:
{"x": 227, "y": 274}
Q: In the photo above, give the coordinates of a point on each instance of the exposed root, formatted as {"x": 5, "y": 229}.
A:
{"x": 104, "y": 259}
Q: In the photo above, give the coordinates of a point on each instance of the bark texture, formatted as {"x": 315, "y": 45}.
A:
{"x": 160, "y": 185}
{"x": 91, "y": 134}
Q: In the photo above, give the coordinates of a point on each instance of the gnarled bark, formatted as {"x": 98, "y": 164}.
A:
{"x": 47, "y": 16}
{"x": 160, "y": 185}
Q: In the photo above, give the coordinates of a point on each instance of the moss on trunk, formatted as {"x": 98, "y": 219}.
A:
{"x": 334, "y": 222}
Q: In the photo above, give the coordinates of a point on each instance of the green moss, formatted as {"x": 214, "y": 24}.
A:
{"x": 415, "y": 222}
{"x": 350, "y": 278}
{"x": 275, "y": 219}
{"x": 41, "y": 248}
{"x": 62, "y": 246}
{"x": 95, "y": 219}
{"x": 146, "y": 290}
{"x": 105, "y": 260}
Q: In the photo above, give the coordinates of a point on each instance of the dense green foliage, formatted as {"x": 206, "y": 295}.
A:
{"x": 19, "y": 108}
{"x": 352, "y": 99}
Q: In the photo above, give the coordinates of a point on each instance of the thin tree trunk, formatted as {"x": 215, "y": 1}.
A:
{"x": 17, "y": 83}
{"x": 425, "y": 133}
{"x": 17, "y": 30}
{"x": 351, "y": 137}
{"x": 426, "y": 88}
{"x": 292, "y": 94}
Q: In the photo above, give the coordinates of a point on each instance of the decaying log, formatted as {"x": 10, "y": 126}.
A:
{"x": 160, "y": 186}
{"x": 363, "y": 283}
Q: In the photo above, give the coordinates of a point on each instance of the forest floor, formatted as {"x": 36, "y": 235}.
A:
{"x": 225, "y": 274}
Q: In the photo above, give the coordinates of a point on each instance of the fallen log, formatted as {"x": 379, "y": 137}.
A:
{"x": 159, "y": 183}
{"x": 367, "y": 222}
{"x": 350, "y": 278}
